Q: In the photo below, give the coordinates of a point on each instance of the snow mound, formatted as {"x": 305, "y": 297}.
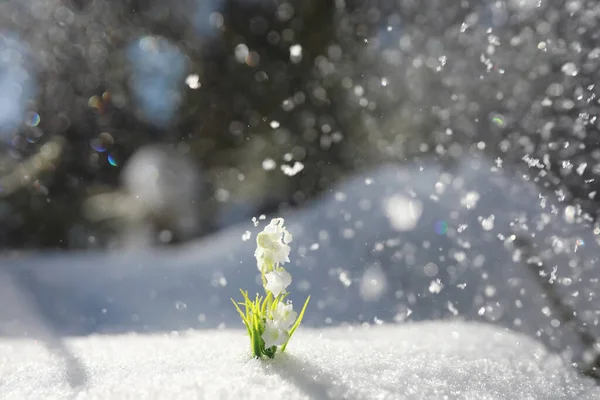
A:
{"x": 432, "y": 360}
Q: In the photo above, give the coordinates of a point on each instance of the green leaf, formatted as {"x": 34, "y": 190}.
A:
{"x": 240, "y": 311}
{"x": 247, "y": 304}
{"x": 258, "y": 303}
{"x": 257, "y": 342}
{"x": 296, "y": 324}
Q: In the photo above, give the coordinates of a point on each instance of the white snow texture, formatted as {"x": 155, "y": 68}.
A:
{"x": 429, "y": 360}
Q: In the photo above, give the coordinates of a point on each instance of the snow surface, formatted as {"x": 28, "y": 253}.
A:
{"x": 426, "y": 360}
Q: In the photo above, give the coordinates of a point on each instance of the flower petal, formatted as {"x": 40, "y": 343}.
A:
{"x": 284, "y": 315}
{"x": 287, "y": 237}
{"x": 273, "y": 283}
{"x": 272, "y": 244}
{"x": 274, "y": 335}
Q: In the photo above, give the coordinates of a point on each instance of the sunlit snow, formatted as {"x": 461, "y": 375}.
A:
{"x": 414, "y": 361}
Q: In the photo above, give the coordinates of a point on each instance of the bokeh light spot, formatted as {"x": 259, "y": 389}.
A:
{"x": 441, "y": 227}
{"x": 112, "y": 160}
{"x": 33, "y": 119}
{"x": 102, "y": 143}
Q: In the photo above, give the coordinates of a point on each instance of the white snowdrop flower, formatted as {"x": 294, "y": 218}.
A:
{"x": 273, "y": 244}
{"x": 269, "y": 316}
{"x": 274, "y": 335}
{"x": 278, "y": 281}
{"x": 284, "y": 315}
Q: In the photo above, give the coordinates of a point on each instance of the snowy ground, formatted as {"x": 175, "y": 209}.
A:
{"x": 413, "y": 361}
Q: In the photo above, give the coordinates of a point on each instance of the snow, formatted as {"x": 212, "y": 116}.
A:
{"x": 292, "y": 170}
{"x": 428, "y": 360}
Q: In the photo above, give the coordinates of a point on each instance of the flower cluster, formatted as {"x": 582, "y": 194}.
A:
{"x": 271, "y": 319}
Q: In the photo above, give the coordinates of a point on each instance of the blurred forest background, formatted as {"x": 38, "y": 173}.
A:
{"x": 129, "y": 122}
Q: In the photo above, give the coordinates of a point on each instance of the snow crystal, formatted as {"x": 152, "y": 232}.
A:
{"x": 570, "y": 69}
{"x": 435, "y": 286}
{"x": 295, "y": 53}
{"x": 488, "y": 223}
{"x": 193, "y": 81}
{"x": 460, "y": 256}
{"x": 293, "y": 170}
{"x": 570, "y": 213}
{"x": 470, "y": 200}
{"x": 268, "y": 164}
{"x": 345, "y": 278}
{"x": 451, "y": 308}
